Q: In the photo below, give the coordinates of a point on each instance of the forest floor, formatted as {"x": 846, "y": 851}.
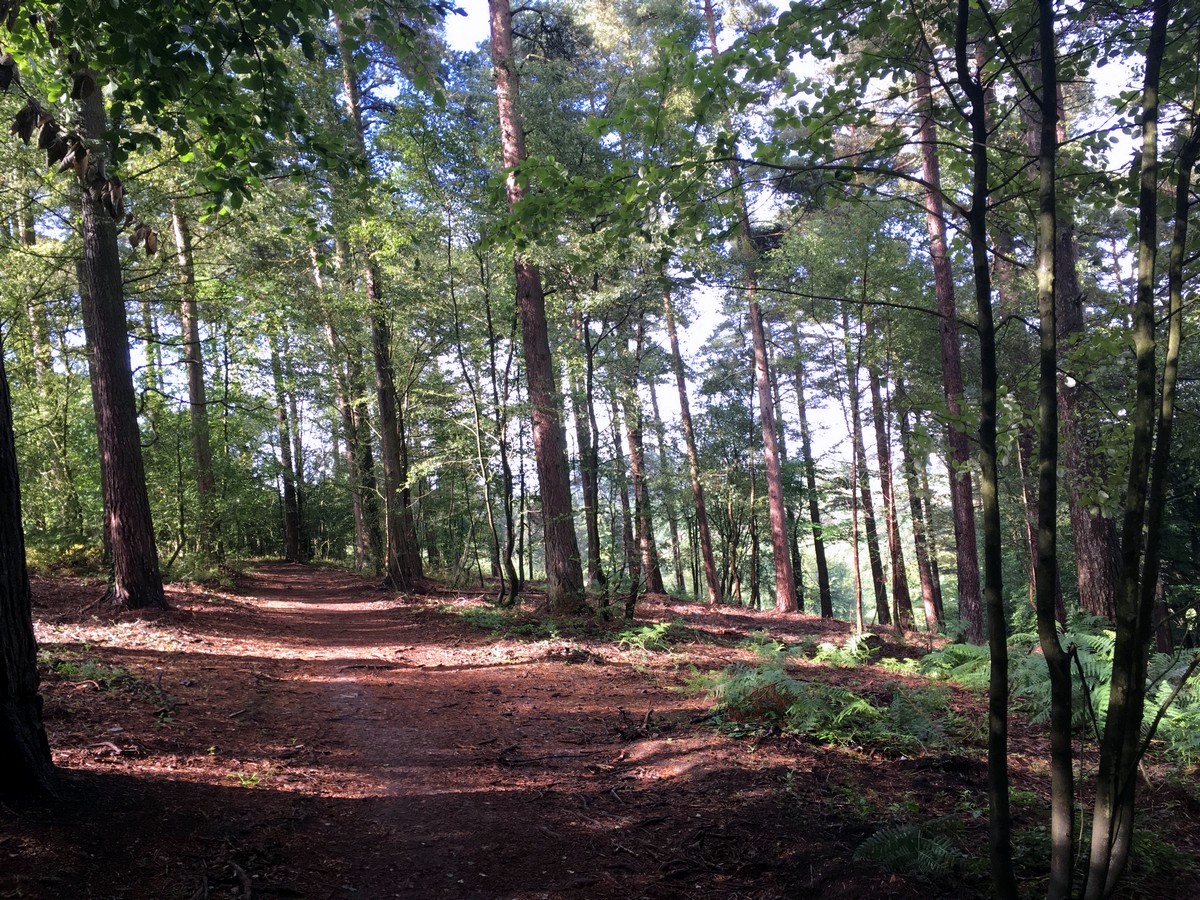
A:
{"x": 302, "y": 735}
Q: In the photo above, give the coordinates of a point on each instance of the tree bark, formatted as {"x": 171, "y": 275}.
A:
{"x": 208, "y": 535}
{"x": 632, "y": 407}
{"x": 399, "y": 573}
{"x": 564, "y": 572}
{"x": 136, "y": 581}
{"x": 1122, "y": 745}
{"x": 867, "y": 503}
{"x": 667, "y": 481}
{"x": 589, "y": 462}
{"x": 902, "y": 611}
{"x": 339, "y": 362}
{"x": 999, "y": 819}
{"x": 920, "y": 543}
{"x": 810, "y": 482}
{"x": 632, "y": 555}
{"x": 969, "y": 600}
{"x": 291, "y": 509}
{"x": 711, "y": 579}
{"x": 25, "y": 764}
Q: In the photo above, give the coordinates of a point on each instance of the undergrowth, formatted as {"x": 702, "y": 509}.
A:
{"x": 511, "y": 623}
{"x": 78, "y": 667}
{"x": 655, "y": 636}
{"x": 1093, "y": 639}
{"x": 911, "y": 849}
{"x": 897, "y": 720}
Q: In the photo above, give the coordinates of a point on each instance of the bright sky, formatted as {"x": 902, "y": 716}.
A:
{"x": 465, "y": 32}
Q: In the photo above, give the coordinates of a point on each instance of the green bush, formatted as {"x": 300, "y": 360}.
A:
{"x": 768, "y": 694}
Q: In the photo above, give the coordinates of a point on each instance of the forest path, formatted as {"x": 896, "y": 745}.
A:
{"x": 305, "y": 735}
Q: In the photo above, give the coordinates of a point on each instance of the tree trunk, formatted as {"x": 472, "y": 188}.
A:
{"x": 289, "y": 387}
{"x": 1122, "y": 745}
{"x": 969, "y": 600}
{"x": 711, "y": 578}
{"x": 564, "y": 573}
{"x": 632, "y": 407}
{"x": 589, "y": 463}
{"x": 25, "y": 765}
{"x": 632, "y": 555}
{"x": 136, "y": 581}
{"x": 882, "y": 613}
{"x": 208, "y": 533}
{"x": 666, "y": 477}
{"x": 792, "y": 531}
{"x": 291, "y": 510}
{"x": 785, "y": 585}
{"x": 399, "y": 573}
{"x": 339, "y": 362}
{"x": 500, "y": 402}
{"x": 920, "y": 543}
{"x": 902, "y": 611}
{"x": 810, "y": 482}
{"x": 999, "y": 820}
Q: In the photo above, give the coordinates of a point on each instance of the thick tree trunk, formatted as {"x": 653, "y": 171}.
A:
{"x": 208, "y": 533}
{"x": 712, "y": 580}
{"x": 137, "y": 581}
{"x": 785, "y": 579}
{"x": 291, "y": 509}
{"x": 564, "y": 572}
{"x": 25, "y": 766}
{"x": 810, "y": 483}
{"x": 969, "y": 600}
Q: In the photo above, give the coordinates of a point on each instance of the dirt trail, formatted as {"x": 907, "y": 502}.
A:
{"x": 306, "y": 736}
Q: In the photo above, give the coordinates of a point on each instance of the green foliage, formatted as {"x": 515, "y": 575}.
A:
{"x": 657, "y": 636}
{"x": 79, "y": 668}
{"x": 912, "y": 849}
{"x": 905, "y": 721}
{"x": 853, "y": 652}
{"x": 1093, "y": 642}
{"x": 900, "y": 666}
{"x": 761, "y": 640}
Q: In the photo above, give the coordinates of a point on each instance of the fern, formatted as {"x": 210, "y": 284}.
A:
{"x": 657, "y": 636}
{"x": 1094, "y": 642}
{"x": 911, "y": 849}
{"x": 767, "y": 693}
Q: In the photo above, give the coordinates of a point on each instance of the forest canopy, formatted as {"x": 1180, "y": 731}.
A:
{"x": 877, "y": 312}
